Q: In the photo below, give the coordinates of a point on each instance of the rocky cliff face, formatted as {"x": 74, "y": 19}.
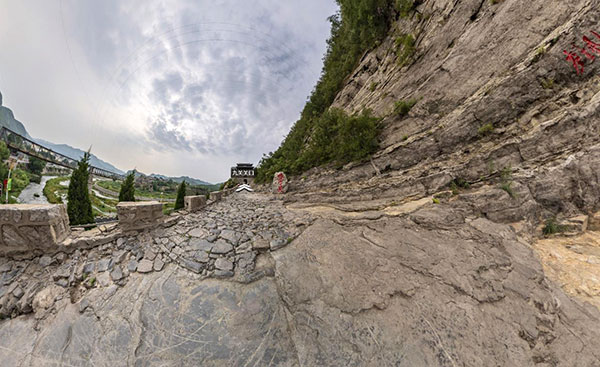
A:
{"x": 476, "y": 64}
{"x": 429, "y": 254}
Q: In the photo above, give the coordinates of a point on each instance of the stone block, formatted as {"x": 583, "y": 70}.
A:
{"x": 216, "y": 195}
{"x": 32, "y": 228}
{"x": 193, "y": 203}
{"x": 576, "y": 225}
{"x": 134, "y": 216}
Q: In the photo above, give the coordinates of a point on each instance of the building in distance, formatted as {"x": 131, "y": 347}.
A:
{"x": 243, "y": 173}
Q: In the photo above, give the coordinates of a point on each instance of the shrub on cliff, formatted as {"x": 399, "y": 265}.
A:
{"x": 79, "y": 206}
{"x": 127, "y": 192}
{"x": 179, "y": 202}
{"x": 404, "y": 7}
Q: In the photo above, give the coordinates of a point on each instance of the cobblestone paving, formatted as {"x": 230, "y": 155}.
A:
{"x": 221, "y": 241}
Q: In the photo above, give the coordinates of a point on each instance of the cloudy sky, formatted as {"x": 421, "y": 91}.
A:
{"x": 178, "y": 87}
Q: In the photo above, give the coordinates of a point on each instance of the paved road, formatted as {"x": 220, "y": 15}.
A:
{"x": 27, "y": 195}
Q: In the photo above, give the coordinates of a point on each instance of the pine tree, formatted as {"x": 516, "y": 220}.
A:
{"x": 79, "y": 206}
{"x": 127, "y": 192}
{"x": 180, "y": 194}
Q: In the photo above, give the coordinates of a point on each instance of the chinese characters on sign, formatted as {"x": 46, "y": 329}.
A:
{"x": 588, "y": 51}
{"x": 242, "y": 173}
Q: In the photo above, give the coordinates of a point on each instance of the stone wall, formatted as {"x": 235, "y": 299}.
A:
{"x": 216, "y": 195}
{"x": 228, "y": 192}
{"x": 32, "y": 228}
{"x": 135, "y": 216}
{"x": 193, "y": 203}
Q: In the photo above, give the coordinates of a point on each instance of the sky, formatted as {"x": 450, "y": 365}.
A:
{"x": 176, "y": 87}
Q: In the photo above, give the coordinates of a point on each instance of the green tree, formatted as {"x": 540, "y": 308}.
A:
{"x": 36, "y": 165}
{"x": 127, "y": 192}
{"x": 180, "y": 194}
{"x": 79, "y": 206}
{"x": 4, "y": 154}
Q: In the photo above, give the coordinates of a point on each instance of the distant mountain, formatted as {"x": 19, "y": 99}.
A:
{"x": 76, "y": 153}
{"x": 7, "y": 119}
{"x": 189, "y": 180}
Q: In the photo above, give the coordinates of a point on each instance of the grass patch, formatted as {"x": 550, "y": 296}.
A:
{"x": 548, "y": 83}
{"x": 486, "y": 129}
{"x": 402, "y": 108}
{"x": 507, "y": 186}
{"x": 404, "y": 48}
{"x": 404, "y": 7}
{"x": 458, "y": 183}
{"x": 53, "y": 190}
{"x": 552, "y": 227}
{"x": 539, "y": 53}
{"x": 373, "y": 86}
{"x": 506, "y": 182}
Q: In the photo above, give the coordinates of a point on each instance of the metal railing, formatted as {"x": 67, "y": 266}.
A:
{"x": 19, "y": 143}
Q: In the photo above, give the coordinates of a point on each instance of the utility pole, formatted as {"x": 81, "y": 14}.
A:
{"x": 11, "y": 165}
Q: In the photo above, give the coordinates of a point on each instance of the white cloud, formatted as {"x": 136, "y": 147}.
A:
{"x": 174, "y": 87}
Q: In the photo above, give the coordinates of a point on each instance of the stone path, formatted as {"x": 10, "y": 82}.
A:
{"x": 222, "y": 240}
{"x": 421, "y": 285}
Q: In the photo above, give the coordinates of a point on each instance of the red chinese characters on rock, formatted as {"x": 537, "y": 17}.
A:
{"x": 280, "y": 178}
{"x": 589, "y": 50}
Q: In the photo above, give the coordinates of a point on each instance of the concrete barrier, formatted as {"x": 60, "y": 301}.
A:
{"x": 193, "y": 203}
{"x": 32, "y": 228}
{"x": 134, "y": 216}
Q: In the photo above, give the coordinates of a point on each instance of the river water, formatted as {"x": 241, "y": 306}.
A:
{"x": 27, "y": 195}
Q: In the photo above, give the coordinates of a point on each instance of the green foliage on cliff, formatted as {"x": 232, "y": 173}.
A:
{"x": 404, "y": 48}
{"x": 405, "y": 7}
{"x": 79, "y": 205}
{"x": 358, "y": 26}
{"x": 402, "y": 108}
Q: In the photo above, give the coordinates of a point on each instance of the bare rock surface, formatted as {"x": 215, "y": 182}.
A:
{"x": 360, "y": 265}
{"x": 435, "y": 285}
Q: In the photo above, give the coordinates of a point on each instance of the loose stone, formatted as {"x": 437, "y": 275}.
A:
{"x": 18, "y": 292}
{"x": 277, "y": 244}
{"x": 132, "y": 266}
{"x": 116, "y": 274}
{"x": 45, "y": 261}
{"x": 103, "y": 265}
{"x": 193, "y": 266}
{"x": 145, "y": 266}
{"x": 158, "y": 264}
{"x": 221, "y": 247}
{"x": 88, "y": 268}
{"x": 223, "y": 264}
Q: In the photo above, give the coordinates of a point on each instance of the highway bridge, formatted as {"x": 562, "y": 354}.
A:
{"x": 18, "y": 143}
